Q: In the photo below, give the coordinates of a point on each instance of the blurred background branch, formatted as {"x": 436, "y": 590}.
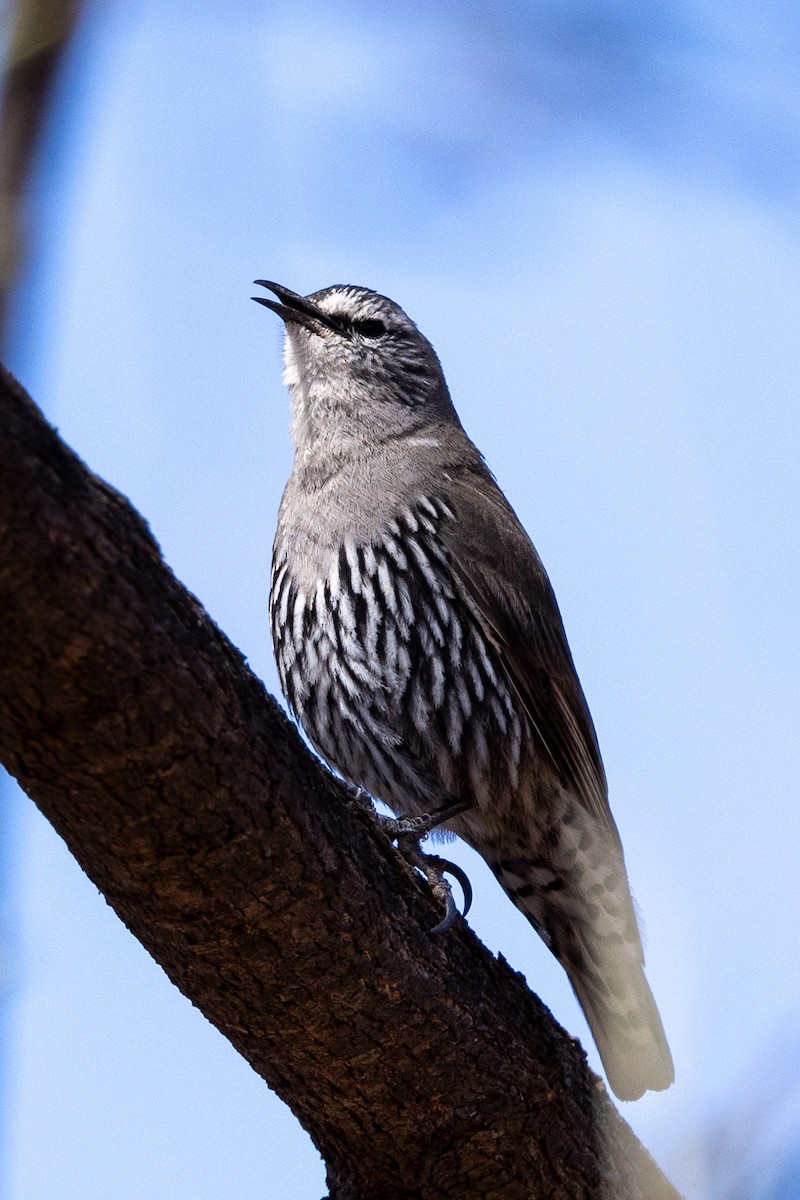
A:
{"x": 39, "y": 32}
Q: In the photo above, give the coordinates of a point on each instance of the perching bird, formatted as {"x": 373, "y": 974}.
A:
{"x": 420, "y": 646}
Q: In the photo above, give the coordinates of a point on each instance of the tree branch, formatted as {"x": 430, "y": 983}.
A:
{"x": 421, "y": 1066}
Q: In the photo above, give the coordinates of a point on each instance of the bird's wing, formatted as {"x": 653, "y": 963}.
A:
{"x": 515, "y": 605}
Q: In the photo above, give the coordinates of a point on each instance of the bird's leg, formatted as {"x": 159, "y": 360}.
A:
{"x": 407, "y": 833}
{"x": 421, "y": 826}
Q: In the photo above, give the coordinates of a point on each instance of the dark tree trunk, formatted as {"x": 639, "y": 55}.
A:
{"x": 421, "y": 1066}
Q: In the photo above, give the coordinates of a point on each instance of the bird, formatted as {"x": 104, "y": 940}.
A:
{"x": 420, "y": 647}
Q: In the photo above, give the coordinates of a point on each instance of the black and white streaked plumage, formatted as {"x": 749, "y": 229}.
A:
{"x": 420, "y": 646}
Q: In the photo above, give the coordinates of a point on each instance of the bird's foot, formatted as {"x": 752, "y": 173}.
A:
{"x": 419, "y": 827}
{"x": 404, "y": 831}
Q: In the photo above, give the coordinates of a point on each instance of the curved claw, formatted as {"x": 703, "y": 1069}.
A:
{"x": 461, "y": 877}
{"x": 434, "y": 869}
{"x": 444, "y": 893}
{"x": 406, "y": 832}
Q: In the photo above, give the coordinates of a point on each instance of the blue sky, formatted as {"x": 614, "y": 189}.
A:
{"x": 592, "y": 211}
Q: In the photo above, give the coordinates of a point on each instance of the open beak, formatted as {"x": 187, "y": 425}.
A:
{"x": 291, "y": 307}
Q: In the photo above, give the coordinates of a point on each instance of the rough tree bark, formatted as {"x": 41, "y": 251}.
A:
{"x": 421, "y": 1066}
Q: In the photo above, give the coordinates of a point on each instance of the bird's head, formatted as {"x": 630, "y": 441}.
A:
{"x": 355, "y": 361}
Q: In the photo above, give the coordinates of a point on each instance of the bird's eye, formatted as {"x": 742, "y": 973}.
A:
{"x": 372, "y": 327}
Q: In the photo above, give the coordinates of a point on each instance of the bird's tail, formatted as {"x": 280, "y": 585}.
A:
{"x": 615, "y": 996}
{"x": 586, "y": 917}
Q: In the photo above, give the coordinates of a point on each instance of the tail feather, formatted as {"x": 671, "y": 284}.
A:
{"x": 584, "y": 912}
{"x": 625, "y": 1024}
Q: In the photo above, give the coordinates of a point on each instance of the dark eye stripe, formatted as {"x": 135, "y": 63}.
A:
{"x": 371, "y": 327}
